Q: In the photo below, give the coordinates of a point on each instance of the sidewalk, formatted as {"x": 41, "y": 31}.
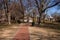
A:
{"x": 22, "y": 33}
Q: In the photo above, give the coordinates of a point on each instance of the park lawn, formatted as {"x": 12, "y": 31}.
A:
{"x": 3, "y": 26}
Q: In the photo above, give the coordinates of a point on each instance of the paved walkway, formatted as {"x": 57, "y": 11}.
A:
{"x": 22, "y": 33}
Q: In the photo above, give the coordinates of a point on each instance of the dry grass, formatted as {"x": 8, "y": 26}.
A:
{"x": 37, "y": 33}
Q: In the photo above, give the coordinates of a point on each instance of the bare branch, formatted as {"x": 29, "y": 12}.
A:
{"x": 50, "y": 6}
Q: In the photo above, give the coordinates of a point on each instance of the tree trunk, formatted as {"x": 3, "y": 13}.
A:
{"x": 9, "y": 19}
{"x": 33, "y": 23}
{"x": 39, "y": 21}
{"x": 27, "y": 18}
{"x": 23, "y": 18}
{"x": 22, "y": 9}
{"x": 39, "y": 16}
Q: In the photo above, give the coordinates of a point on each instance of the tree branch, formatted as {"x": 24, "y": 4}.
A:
{"x": 50, "y": 6}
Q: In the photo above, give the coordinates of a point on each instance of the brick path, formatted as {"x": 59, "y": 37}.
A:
{"x": 22, "y": 33}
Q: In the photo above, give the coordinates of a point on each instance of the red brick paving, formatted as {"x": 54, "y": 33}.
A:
{"x": 22, "y": 34}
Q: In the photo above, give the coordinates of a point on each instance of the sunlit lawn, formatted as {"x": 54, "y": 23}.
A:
{"x": 6, "y": 25}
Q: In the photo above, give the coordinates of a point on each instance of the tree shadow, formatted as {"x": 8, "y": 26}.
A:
{"x": 50, "y": 25}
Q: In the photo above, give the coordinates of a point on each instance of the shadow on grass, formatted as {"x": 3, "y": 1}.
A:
{"x": 7, "y": 25}
{"x": 4, "y": 26}
{"x": 50, "y": 25}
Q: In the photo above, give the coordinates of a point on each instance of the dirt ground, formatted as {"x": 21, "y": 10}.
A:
{"x": 36, "y": 33}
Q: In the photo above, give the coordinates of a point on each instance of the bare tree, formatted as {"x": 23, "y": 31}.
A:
{"x": 13, "y": 7}
{"x": 56, "y": 16}
{"x": 22, "y": 9}
{"x": 43, "y": 6}
{"x": 6, "y": 10}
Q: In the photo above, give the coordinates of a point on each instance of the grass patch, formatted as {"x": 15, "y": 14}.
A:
{"x": 8, "y": 26}
{"x": 50, "y": 25}
{"x": 4, "y": 26}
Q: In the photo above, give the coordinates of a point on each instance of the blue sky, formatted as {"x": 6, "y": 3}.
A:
{"x": 53, "y": 9}
{"x": 50, "y": 10}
